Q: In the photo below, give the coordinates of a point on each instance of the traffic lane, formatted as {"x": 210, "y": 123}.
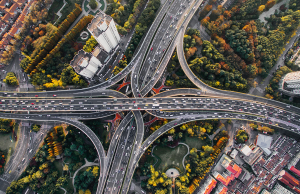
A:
{"x": 137, "y": 68}
{"x": 241, "y": 107}
{"x": 163, "y": 30}
{"x": 170, "y": 50}
{"x": 276, "y": 122}
{"x": 138, "y": 141}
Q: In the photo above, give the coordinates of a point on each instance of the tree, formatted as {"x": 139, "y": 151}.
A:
{"x": 93, "y": 4}
{"x": 11, "y": 79}
{"x": 208, "y": 149}
{"x": 35, "y": 127}
{"x": 261, "y": 8}
{"x": 241, "y": 136}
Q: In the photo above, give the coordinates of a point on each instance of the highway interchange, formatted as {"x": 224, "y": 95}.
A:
{"x": 147, "y": 67}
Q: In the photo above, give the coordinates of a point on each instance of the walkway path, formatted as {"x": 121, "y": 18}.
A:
{"x": 154, "y": 155}
{"x": 59, "y": 14}
{"x": 64, "y": 190}
{"x": 87, "y": 164}
{"x": 260, "y": 88}
{"x": 271, "y": 11}
{"x": 188, "y": 152}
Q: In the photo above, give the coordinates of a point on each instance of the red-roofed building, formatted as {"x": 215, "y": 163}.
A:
{"x": 211, "y": 186}
{"x": 2, "y": 4}
{"x": 223, "y": 191}
{"x": 7, "y": 18}
{"x": 14, "y": 9}
{"x": 284, "y": 181}
{"x": 295, "y": 170}
{"x": 292, "y": 180}
{"x": 297, "y": 190}
{"x": 20, "y": 2}
{"x": 233, "y": 171}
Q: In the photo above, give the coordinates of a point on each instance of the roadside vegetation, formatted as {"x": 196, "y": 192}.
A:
{"x": 261, "y": 128}
{"x": 47, "y": 172}
{"x": 241, "y": 136}
{"x": 143, "y": 23}
{"x": 6, "y": 125}
{"x": 11, "y": 79}
{"x": 35, "y": 127}
{"x": 243, "y": 47}
{"x": 2, "y": 161}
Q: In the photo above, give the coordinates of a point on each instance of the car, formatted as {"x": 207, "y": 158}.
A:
{"x": 54, "y": 95}
{"x": 36, "y": 95}
{"x": 32, "y": 103}
{"x": 152, "y": 49}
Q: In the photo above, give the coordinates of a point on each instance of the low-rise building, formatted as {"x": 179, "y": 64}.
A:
{"x": 208, "y": 185}
{"x": 85, "y": 64}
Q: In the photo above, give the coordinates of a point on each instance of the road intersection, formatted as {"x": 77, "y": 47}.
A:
{"x": 147, "y": 66}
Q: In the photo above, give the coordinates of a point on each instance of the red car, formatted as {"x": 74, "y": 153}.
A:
{"x": 151, "y": 48}
{"x": 36, "y": 95}
{"x": 32, "y": 103}
{"x": 54, "y": 95}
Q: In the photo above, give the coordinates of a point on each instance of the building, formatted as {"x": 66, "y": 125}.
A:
{"x": 278, "y": 189}
{"x": 250, "y": 154}
{"x": 288, "y": 179}
{"x": 290, "y": 84}
{"x": 232, "y": 171}
{"x": 264, "y": 142}
{"x": 85, "y": 64}
{"x": 264, "y": 191}
{"x": 208, "y": 185}
{"x": 221, "y": 189}
{"x": 12, "y": 14}
{"x": 103, "y": 29}
{"x": 294, "y": 165}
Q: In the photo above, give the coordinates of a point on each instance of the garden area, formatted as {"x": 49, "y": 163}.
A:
{"x": 168, "y": 153}
{"x": 169, "y": 157}
{"x": 55, "y": 163}
{"x": 57, "y": 5}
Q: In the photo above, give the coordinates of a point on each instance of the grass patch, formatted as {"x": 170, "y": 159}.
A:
{"x": 93, "y": 13}
{"x": 170, "y": 156}
{"x": 5, "y": 142}
{"x": 194, "y": 142}
{"x": 58, "y": 166}
{"x": 102, "y": 4}
{"x": 150, "y": 159}
{"x": 69, "y": 187}
{"x": 55, "y": 7}
{"x": 179, "y": 72}
{"x": 68, "y": 9}
{"x": 60, "y": 191}
{"x": 85, "y": 6}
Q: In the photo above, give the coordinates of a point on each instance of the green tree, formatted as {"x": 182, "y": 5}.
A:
{"x": 241, "y": 136}
{"x": 35, "y": 127}
{"x": 93, "y": 4}
{"x": 11, "y": 79}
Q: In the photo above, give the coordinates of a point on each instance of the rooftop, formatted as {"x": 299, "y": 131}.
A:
{"x": 96, "y": 22}
{"x": 264, "y": 141}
